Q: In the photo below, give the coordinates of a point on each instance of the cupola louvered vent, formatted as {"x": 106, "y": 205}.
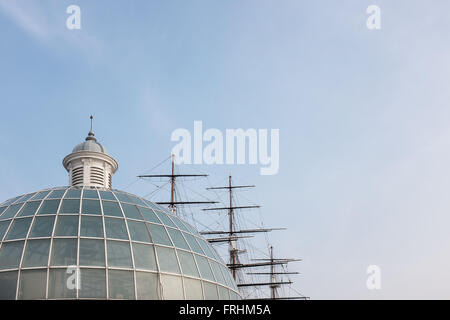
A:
{"x": 77, "y": 176}
{"x": 97, "y": 176}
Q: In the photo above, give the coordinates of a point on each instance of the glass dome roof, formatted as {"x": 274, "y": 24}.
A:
{"x": 119, "y": 245}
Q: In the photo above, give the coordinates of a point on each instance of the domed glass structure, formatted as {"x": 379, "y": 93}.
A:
{"x": 89, "y": 241}
{"x": 99, "y": 243}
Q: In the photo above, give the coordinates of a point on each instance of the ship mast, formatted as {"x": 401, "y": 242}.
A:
{"x": 274, "y": 283}
{"x": 232, "y": 235}
{"x": 273, "y": 288}
{"x": 172, "y": 204}
{"x": 231, "y": 239}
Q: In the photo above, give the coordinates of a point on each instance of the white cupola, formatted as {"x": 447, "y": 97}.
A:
{"x": 89, "y": 164}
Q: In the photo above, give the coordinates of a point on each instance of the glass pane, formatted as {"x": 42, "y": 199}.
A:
{"x": 64, "y": 252}
{"x": 172, "y": 287}
{"x": 122, "y": 197}
{"x": 91, "y": 194}
{"x": 25, "y": 197}
{"x": 49, "y": 207}
{"x": 210, "y": 291}
{"x": 11, "y": 211}
{"x": 147, "y": 202}
{"x": 119, "y": 254}
{"x": 66, "y": 226}
{"x": 217, "y": 272}
{"x": 165, "y": 210}
{"x": 138, "y": 231}
{"x": 167, "y": 260}
{"x": 92, "y": 252}
{"x": 153, "y": 205}
{"x": 178, "y": 239}
{"x": 131, "y": 211}
{"x": 121, "y": 284}
{"x": 193, "y": 243}
{"x": 19, "y": 229}
{"x": 137, "y": 201}
{"x": 205, "y": 269}
{"x": 8, "y": 283}
{"x": 2, "y": 209}
{"x": 3, "y": 227}
{"x": 56, "y": 194}
{"x": 13, "y": 200}
{"x": 159, "y": 234}
{"x": 187, "y": 263}
{"x": 234, "y": 296}
{"x": 29, "y": 208}
{"x": 227, "y": 275}
{"x": 147, "y": 286}
{"x": 70, "y": 206}
{"x": 91, "y": 226}
{"x": 223, "y": 293}
{"x": 165, "y": 219}
{"x": 19, "y": 199}
{"x": 41, "y": 195}
{"x": 8, "y": 202}
{"x": 10, "y": 254}
{"x": 111, "y": 208}
{"x": 42, "y": 226}
{"x": 149, "y": 215}
{"x": 106, "y": 195}
{"x": 193, "y": 289}
{"x": 73, "y": 193}
{"x": 144, "y": 256}
{"x": 91, "y": 207}
{"x": 36, "y": 253}
{"x": 191, "y": 228}
{"x": 93, "y": 283}
{"x": 57, "y": 284}
{"x": 32, "y": 284}
{"x": 216, "y": 255}
{"x": 180, "y": 224}
{"x": 115, "y": 228}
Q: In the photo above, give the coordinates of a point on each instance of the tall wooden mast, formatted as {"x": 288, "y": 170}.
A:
{"x": 274, "y": 283}
{"x": 232, "y": 235}
{"x": 172, "y": 186}
{"x": 273, "y": 288}
{"x": 231, "y": 239}
{"x": 172, "y": 204}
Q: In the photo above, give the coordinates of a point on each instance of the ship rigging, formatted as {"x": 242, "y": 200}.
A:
{"x": 232, "y": 236}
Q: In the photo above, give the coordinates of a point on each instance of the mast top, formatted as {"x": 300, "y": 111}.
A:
{"x": 172, "y": 178}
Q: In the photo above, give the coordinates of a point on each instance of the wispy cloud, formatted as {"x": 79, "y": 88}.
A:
{"x": 46, "y": 24}
{"x": 29, "y": 20}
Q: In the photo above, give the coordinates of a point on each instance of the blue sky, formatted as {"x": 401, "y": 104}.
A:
{"x": 363, "y": 118}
